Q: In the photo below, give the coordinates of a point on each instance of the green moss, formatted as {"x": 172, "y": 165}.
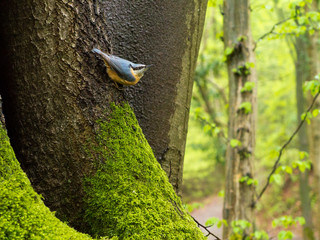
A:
{"x": 130, "y": 196}
{"x": 22, "y": 212}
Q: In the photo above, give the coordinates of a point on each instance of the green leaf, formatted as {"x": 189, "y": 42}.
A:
{"x": 244, "y": 179}
{"x": 288, "y": 170}
{"x": 248, "y": 86}
{"x": 249, "y": 65}
{"x": 313, "y": 86}
{"x": 284, "y": 235}
{"x": 224, "y": 222}
{"x": 306, "y": 116}
{"x": 236, "y": 70}
{"x": 216, "y": 131}
{"x": 228, "y": 51}
{"x": 206, "y": 128}
{"x": 246, "y": 106}
{"x": 276, "y": 178}
{"x": 242, "y": 38}
{"x": 315, "y": 112}
{"x": 260, "y": 235}
{"x": 274, "y": 153}
{"x": 212, "y": 221}
{"x": 311, "y": 31}
{"x": 250, "y": 181}
{"x": 300, "y": 220}
{"x": 302, "y": 165}
{"x": 303, "y": 154}
{"x": 235, "y": 143}
{"x": 221, "y": 193}
{"x": 219, "y": 224}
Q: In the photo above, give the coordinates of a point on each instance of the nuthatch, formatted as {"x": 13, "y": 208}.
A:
{"x": 122, "y": 71}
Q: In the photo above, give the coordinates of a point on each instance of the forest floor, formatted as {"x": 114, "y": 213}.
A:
{"x": 213, "y": 206}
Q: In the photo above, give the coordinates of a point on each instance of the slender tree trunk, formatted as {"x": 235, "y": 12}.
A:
{"x": 314, "y": 128}
{"x": 242, "y": 109}
{"x": 56, "y": 92}
{"x": 302, "y": 75}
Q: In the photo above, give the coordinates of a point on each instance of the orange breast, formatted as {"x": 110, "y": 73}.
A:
{"x": 115, "y": 77}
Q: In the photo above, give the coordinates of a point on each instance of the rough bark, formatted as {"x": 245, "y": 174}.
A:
{"x": 55, "y": 89}
{"x": 23, "y": 214}
{"x": 237, "y": 36}
{"x": 151, "y": 32}
{"x": 302, "y": 75}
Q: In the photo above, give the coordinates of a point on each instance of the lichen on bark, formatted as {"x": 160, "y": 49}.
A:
{"x": 129, "y": 195}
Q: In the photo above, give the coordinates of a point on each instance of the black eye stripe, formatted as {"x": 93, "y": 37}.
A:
{"x": 138, "y": 68}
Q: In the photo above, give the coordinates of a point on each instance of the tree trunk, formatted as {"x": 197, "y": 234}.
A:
{"x": 314, "y": 127}
{"x": 302, "y": 75}
{"x": 56, "y": 95}
{"x": 167, "y": 35}
{"x": 23, "y": 214}
{"x": 242, "y": 109}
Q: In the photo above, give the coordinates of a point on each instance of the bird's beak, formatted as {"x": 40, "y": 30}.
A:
{"x": 147, "y": 66}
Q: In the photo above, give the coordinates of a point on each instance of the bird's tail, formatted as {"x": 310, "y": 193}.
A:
{"x": 96, "y": 50}
{"x": 105, "y": 56}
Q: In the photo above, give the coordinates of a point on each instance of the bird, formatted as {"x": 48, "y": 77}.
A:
{"x": 121, "y": 70}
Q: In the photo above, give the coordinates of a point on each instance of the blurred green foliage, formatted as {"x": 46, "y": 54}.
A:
{"x": 274, "y": 24}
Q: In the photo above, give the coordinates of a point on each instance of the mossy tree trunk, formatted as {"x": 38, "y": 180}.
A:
{"x": 166, "y": 34}
{"x": 56, "y": 93}
{"x": 23, "y": 214}
{"x": 239, "y": 195}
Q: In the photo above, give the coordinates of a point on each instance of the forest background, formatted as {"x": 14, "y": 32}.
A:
{"x": 277, "y": 50}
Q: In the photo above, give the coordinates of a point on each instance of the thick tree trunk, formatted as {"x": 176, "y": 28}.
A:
{"x": 166, "y": 34}
{"x": 23, "y": 214}
{"x": 302, "y": 75}
{"x": 55, "y": 90}
{"x": 242, "y": 109}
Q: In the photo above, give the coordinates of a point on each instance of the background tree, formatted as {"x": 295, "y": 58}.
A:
{"x": 242, "y": 109}
{"x": 312, "y": 64}
{"x": 57, "y": 96}
{"x": 306, "y": 69}
{"x": 302, "y": 76}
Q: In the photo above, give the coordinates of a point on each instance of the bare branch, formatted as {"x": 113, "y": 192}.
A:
{"x": 282, "y": 149}
{"x": 220, "y": 90}
{"x": 206, "y": 228}
{"x": 272, "y": 30}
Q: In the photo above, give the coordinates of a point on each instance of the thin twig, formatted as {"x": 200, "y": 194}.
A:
{"x": 282, "y": 149}
{"x": 206, "y": 228}
{"x": 271, "y": 30}
{"x": 220, "y": 90}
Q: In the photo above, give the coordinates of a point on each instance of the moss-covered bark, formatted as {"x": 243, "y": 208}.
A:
{"x": 129, "y": 195}
{"x": 23, "y": 215}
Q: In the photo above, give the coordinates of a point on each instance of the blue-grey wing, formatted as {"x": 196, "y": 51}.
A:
{"x": 122, "y": 67}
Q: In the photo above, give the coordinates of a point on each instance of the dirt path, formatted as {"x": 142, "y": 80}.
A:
{"x": 212, "y": 208}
